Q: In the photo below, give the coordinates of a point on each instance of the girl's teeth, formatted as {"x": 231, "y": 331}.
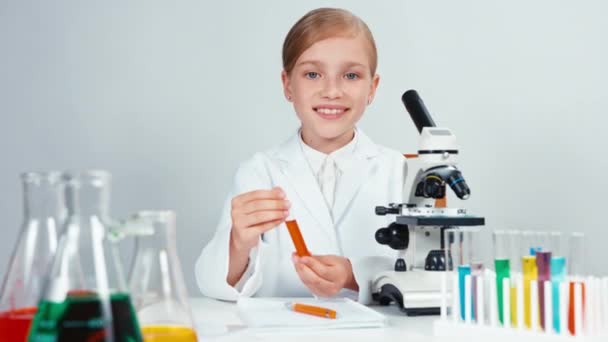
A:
{"x": 329, "y": 111}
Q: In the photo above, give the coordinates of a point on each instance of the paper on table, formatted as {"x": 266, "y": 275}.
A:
{"x": 271, "y": 313}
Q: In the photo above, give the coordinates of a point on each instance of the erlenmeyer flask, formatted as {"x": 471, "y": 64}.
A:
{"x": 36, "y": 244}
{"x": 85, "y": 297}
{"x": 156, "y": 280}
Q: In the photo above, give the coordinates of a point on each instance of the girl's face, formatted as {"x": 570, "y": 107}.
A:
{"x": 330, "y": 86}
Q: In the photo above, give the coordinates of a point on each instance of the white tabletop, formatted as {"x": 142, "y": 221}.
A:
{"x": 219, "y": 321}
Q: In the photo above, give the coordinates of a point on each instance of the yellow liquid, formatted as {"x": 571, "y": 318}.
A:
{"x": 168, "y": 333}
{"x": 513, "y": 306}
{"x": 530, "y": 273}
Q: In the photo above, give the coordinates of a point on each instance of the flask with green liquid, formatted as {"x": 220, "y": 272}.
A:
{"x": 85, "y": 297}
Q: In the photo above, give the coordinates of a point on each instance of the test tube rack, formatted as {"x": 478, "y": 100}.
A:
{"x": 583, "y": 316}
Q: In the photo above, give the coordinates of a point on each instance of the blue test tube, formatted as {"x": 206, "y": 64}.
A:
{"x": 463, "y": 270}
{"x": 558, "y": 245}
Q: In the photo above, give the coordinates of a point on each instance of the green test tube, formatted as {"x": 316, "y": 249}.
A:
{"x": 502, "y": 267}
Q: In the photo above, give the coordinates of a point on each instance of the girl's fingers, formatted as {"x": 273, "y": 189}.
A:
{"x": 315, "y": 283}
{"x": 328, "y": 260}
{"x": 262, "y": 205}
{"x": 322, "y": 270}
{"x": 262, "y": 217}
{"x": 263, "y": 228}
{"x": 273, "y": 194}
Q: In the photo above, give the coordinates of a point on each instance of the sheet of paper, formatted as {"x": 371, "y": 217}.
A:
{"x": 273, "y": 313}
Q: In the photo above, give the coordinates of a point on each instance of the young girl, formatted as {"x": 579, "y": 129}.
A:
{"x": 329, "y": 176}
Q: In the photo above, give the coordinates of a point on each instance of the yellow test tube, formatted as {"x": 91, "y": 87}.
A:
{"x": 530, "y": 272}
{"x": 513, "y": 305}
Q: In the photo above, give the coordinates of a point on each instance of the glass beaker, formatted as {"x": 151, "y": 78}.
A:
{"x": 156, "y": 280}
{"x": 85, "y": 298}
{"x": 42, "y": 212}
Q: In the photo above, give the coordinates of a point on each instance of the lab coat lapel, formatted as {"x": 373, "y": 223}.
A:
{"x": 359, "y": 172}
{"x": 303, "y": 181}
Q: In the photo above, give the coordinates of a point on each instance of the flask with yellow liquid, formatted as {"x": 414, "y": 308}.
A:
{"x": 156, "y": 281}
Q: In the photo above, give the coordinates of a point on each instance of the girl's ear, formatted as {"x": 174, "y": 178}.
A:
{"x": 286, "y": 85}
{"x": 373, "y": 87}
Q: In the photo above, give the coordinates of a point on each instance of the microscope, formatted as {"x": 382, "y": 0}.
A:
{"x": 417, "y": 232}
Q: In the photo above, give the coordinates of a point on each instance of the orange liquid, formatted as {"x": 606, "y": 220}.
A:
{"x": 296, "y": 237}
{"x": 168, "y": 333}
{"x": 15, "y": 324}
{"x": 571, "y": 307}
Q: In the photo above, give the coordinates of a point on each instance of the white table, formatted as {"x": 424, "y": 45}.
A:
{"x": 219, "y": 321}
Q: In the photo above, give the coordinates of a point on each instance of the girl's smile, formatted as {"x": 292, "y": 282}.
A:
{"x": 330, "y": 111}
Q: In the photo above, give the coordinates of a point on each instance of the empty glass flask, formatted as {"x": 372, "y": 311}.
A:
{"x": 43, "y": 210}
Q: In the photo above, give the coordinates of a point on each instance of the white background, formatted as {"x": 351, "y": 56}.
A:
{"x": 170, "y": 96}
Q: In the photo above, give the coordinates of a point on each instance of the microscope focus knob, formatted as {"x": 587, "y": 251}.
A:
{"x": 435, "y": 261}
{"x": 396, "y": 236}
{"x": 381, "y": 211}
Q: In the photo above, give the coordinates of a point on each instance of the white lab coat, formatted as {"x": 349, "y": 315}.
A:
{"x": 376, "y": 178}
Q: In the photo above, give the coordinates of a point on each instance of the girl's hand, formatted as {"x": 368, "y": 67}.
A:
{"x": 254, "y": 213}
{"x": 325, "y": 275}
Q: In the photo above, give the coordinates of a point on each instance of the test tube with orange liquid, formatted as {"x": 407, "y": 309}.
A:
{"x": 296, "y": 237}
{"x": 576, "y": 271}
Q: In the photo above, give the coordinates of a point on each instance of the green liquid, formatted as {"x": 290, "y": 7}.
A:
{"x": 79, "y": 318}
{"x": 503, "y": 270}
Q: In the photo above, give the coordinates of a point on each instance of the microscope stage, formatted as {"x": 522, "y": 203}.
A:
{"x": 441, "y": 221}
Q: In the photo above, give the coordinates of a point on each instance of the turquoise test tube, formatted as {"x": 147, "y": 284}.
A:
{"x": 463, "y": 270}
{"x": 558, "y": 275}
{"x": 559, "y": 245}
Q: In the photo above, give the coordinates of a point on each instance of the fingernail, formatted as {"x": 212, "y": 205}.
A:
{"x": 288, "y": 203}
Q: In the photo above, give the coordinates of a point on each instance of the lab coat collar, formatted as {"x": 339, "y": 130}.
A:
{"x": 303, "y": 181}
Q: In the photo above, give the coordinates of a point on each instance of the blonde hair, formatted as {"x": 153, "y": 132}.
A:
{"x": 320, "y": 24}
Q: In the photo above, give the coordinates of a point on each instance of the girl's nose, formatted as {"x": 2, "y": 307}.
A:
{"x": 332, "y": 89}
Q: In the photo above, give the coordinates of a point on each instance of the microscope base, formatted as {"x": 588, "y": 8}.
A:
{"x": 416, "y": 292}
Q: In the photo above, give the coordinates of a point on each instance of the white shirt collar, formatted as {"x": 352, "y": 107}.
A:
{"x": 342, "y": 156}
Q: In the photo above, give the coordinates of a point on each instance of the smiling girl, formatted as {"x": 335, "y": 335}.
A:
{"x": 328, "y": 176}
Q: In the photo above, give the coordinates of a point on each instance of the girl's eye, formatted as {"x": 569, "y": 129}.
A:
{"x": 312, "y": 75}
{"x": 351, "y": 76}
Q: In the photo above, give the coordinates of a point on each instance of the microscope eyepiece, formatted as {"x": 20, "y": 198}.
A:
{"x": 418, "y": 112}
